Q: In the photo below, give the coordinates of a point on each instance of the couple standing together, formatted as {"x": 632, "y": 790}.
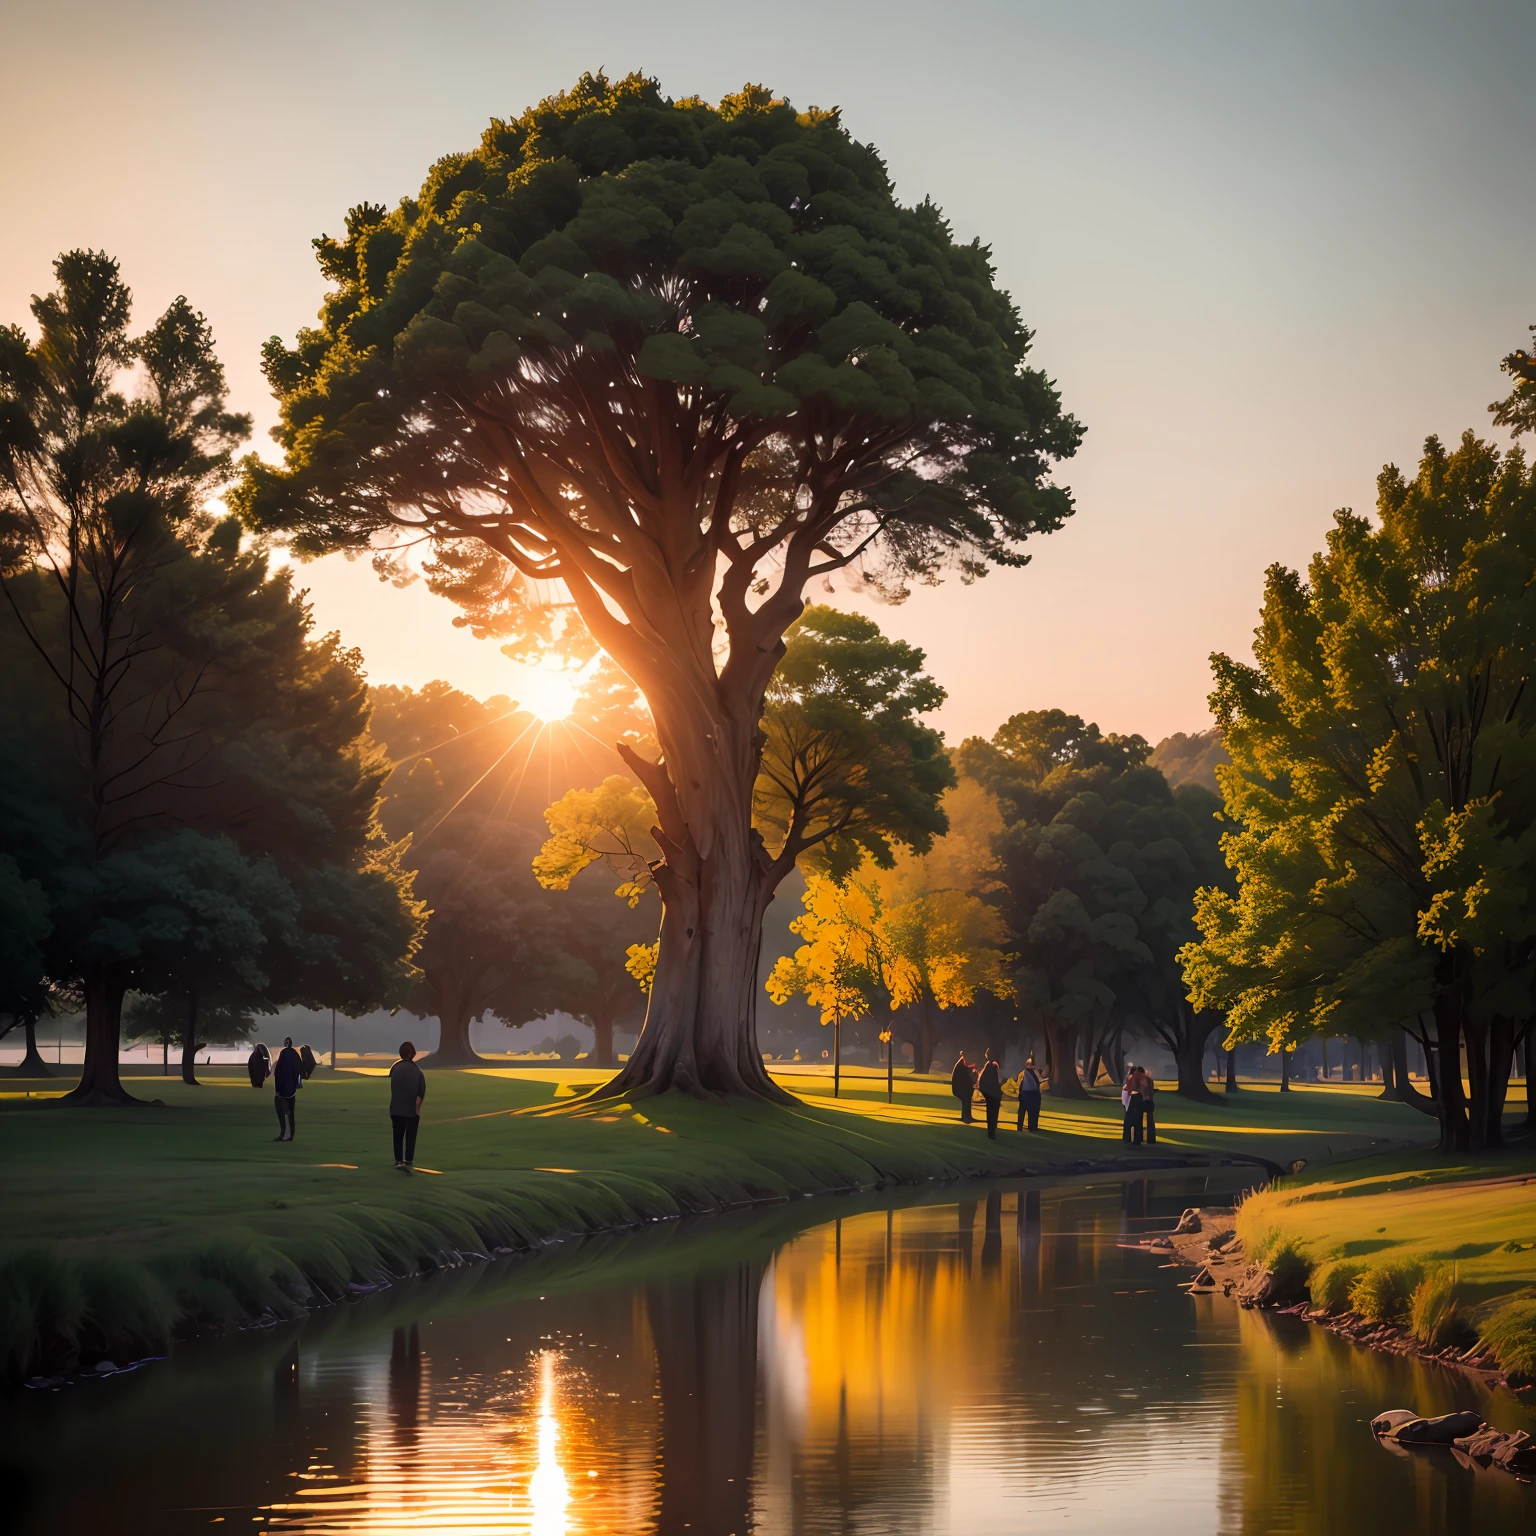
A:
{"x": 1136, "y": 1095}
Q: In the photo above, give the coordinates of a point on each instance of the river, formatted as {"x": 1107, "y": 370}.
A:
{"x": 986, "y": 1360}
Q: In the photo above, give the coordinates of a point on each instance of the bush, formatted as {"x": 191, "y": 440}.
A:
{"x": 1287, "y": 1260}
{"x": 1511, "y": 1334}
{"x": 1434, "y": 1310}
{"x": 1330, "y": 1284}
{"x": 1383, "y": 1293}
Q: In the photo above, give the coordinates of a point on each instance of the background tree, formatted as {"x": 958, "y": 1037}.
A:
{"x": 682, "y": 359}
{"x": 24, "y": 925}
{"x": 167, "y": 683}
{"x": 1099, "y": 862}
{"x": 469, "y": 781}
{"x": 1382, "y": 785}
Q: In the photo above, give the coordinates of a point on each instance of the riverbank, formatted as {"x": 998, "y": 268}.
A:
{"x": 1403, "y": 1255}
{"x": 130, "y": 1227}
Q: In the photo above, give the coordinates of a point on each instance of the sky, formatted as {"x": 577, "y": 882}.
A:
{"x": 1265, "y": 249}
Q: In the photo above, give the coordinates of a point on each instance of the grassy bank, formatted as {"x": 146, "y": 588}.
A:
{"x": 1445, "y": 1248}
{"x": 126, "y": 1226}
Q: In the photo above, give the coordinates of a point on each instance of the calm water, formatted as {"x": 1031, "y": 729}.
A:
{"x": 994, "y": 1364}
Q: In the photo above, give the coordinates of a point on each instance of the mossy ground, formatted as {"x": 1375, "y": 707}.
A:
{"x": 125, "y": 1225}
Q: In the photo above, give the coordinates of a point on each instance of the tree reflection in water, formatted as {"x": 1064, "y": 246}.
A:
{"x": 992, "y": 1364}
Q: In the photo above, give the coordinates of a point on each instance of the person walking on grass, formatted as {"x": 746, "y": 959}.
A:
{"x": 962, "y": 1083}
{"x": 407, "y": 1088}
{"x": 287, "y": 1079}
{"x": 258, "y": 1065}
{"x": 1148, "y": 1088}
{"x": 991, "y": 1085}
{"x": 1029, "y": 1094}
{"x": 1130, "y": 1097}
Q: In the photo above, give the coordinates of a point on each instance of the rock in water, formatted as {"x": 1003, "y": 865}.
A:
{"x": 1188, "y": 1222}
{"x": 1406, "y": 1427}
{"x": 1515, "y": 1453}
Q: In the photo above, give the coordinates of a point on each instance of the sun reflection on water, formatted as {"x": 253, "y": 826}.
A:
{"x": 548, "y": 1491}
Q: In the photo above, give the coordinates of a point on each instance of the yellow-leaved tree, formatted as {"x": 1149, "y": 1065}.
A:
{"x": 905, "y": 933}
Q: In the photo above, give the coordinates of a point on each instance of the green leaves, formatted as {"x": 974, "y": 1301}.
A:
{"x": 1383, "y": 787}
{"x": 751, "y": 258}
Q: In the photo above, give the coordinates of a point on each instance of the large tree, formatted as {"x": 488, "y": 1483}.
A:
{"x": 1383, "y": 786}
{"x": 682, "y": 359}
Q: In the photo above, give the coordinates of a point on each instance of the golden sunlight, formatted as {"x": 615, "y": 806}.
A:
{"x": 548, "y": 692}
{"x": 548, "y": 1491}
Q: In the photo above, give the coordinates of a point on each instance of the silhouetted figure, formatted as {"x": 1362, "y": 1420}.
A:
{"x": 306, "y": 1062}
{"x": 1148, "y": 1090}
{"x": 287, "y": 1079}
{"x": 259, "y": 1064}
{"x": 962, "y": 1083}
{"x": 990, "y": 1084}
{"x": 407, "y": 1088}
{"x": 1130, "y": 1097}
{"x": 1029, "y": 1094}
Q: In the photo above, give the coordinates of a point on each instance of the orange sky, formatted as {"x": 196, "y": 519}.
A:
{"x": 1264, "y": 251}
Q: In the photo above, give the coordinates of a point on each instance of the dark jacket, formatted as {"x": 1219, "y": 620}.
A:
{"x": 1029, "y": 1084}
{"x": 991, "y": 1081}
{"x": 306, "y": 1062}
{"x": 407, "y": 1083}
{"x": 961, "y": 1083}
{"x": 258, "y": 1064}
{"x": 288, "y": 1074}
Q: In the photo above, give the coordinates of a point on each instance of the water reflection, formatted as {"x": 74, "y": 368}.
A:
{"x": 548, "y": 1492}
{"x": 1009, "y": 1361}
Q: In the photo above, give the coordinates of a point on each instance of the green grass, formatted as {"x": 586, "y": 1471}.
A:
{"x": 127, "y": 1226}
{"x": 1445, "y": 1245}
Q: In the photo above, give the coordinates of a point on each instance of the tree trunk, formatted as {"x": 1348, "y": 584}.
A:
{"x": 32, "y": 1063}
{"x": 1403, "y": 1089}
{"x": 1501, "y": 1060}
{"x": 1455, "y": 1133}
{"x": 189, "y": 1044}
{"x": 1190, "y": 1039}
{"x": 1232, "y": 1083}
{"x": 1285, "y": 1071}
{"x": 715, "y": 880}
{"x": 101, "y": 1083}
{"x": 453, "y": 1047}
{"x": 926, "y": 1042}
{"x": 602, "y": 1041}
{"x": 1061, "y": 1043}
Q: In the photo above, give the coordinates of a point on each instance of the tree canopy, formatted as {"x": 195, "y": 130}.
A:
{"x": 1098, "y": 865}
{"x": 200, "y": 799}
{"x": 680, "y": 359}
{"x": 1383, "y": 784}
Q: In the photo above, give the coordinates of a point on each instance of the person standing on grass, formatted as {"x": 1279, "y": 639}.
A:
{"x": 306, "y": 1062}
{"x": 258, "y": 1065}
{"x": 407, "y": 1088}
{"x": 991, "y": 1085}
{"x": 1148, "y": 1087}
{"x": 962, "y": 1083}
{"x": 287, "y": 1079}
{"x": 1130, "y": 1096}
{"x": 1029, "y": 1094}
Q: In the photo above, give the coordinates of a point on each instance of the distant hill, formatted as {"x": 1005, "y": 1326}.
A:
{"x": 1191, "y": 759}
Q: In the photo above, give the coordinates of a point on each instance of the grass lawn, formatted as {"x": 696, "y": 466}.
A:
{"x": 1476, "y": 1214}
{"x": 123, "y": 1225}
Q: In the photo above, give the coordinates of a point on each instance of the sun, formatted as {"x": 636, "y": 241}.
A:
{"x": 547, "y": 693}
